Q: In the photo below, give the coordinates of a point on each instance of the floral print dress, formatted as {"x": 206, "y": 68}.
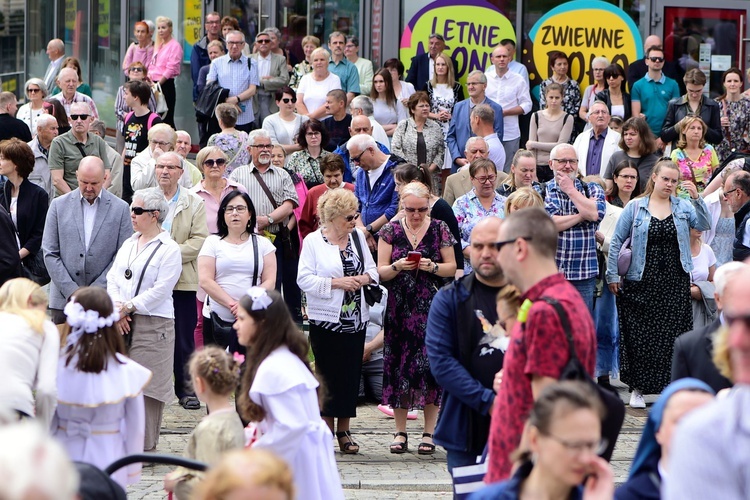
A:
{"x": 407, "y": 380}
{"x": 699, "y": 171}
{"x": 736, "y": 136}
{"x": 308, "y": 167}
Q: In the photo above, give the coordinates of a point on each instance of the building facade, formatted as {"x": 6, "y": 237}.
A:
{"x": 98, "y": 33}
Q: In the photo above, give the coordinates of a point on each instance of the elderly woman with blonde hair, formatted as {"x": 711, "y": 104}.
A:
{"x": 334, "y": 269}
{"x": 524, "y": 197}
{"x": 28, "y": 353}
{"x": 250, "y": 473}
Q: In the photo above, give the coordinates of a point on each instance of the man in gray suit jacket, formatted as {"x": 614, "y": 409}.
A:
{"x": 272, "y": 74}
{"x": 83, "y": 231}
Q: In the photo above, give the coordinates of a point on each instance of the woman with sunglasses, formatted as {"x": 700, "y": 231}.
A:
{"x": 213, "y": 188}
{"x": 614, "y": 96}
{"x": 598, "y": 65}
{"x": 232, "y": 260}
{"x": 334, "y": 268}
{"x": 415, "y": 255}
{"x": 482, "y": 201}
{"x": 653, "y": 303}
{"x": 140, "y": 282}
{"x": 35, "y": 91}
{"x": 693, "y": 103}
{"x": 283, "y": 127}
{"x": 560, "y": 456}
{"x": 233, "y": 142}
{"x": 735, "y": 115}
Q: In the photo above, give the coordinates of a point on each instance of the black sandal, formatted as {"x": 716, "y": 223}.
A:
{"x": 190, "y": 403}
{"x": 349, "y": 446}
{"x": 400, "y": 446}
{"x": 426, "y": 448}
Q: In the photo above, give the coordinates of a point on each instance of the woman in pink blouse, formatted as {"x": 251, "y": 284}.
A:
{"x": 142, "y": 50}
{"x": 165, "y": 64}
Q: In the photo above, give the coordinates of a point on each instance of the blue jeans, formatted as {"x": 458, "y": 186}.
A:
{"x": 586, "y": 289}
{"x": 607, "y": 333}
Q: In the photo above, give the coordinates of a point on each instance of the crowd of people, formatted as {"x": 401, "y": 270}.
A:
{"x": 439, "y": 264}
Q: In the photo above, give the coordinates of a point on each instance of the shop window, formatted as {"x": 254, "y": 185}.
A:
{"x": 12, "y": 47}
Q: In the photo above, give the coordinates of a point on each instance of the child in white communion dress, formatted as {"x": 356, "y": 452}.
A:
{"x": 100, "y": 415}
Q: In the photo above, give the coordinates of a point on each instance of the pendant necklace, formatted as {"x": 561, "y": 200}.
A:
{"x": 128, "y": 272}
{"x": 413, "y": 234}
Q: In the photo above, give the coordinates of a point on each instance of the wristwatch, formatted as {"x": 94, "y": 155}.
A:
{"x": 393, "y": 266}
{"x": 368, "y": 228}
{"x": 129, "y": 307}
{"x": 270, "y": 220}
{"x": 435, "y": 269}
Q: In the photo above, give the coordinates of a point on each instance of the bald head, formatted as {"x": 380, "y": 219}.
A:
{"x": 90, "y": 175}
{"x": 652, "y": 41}
{"x": 360, "y": 125}
{"x": 483, "y": 252}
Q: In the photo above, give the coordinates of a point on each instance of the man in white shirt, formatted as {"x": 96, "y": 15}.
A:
{"x": 515, "y": 66}
{"x": 482, "y": 122}
{"x": 511, "y": 91}
{"x": 272, "y": 76}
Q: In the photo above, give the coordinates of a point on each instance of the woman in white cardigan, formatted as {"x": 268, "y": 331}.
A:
{"x": 334, "y": 267}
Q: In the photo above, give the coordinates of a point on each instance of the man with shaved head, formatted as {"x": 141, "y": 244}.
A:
{"x": 68, "y": 82}
{"x": 82, "y": 233}
{"x": 68, "y": 149}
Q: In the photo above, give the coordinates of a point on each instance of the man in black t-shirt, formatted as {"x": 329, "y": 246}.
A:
{"x": 338, "y": 123}
{"x": 135, "y": 130}
{"x": 466, "y": 346}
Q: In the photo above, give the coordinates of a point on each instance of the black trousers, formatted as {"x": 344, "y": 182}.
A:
{"x": 185, "y": 317}
{"x": 170, "y": 95}
{"x": 286, "y": 276}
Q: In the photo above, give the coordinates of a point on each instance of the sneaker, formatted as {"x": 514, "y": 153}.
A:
{"x": 412, "y": 415}
{"x": 636, "y": 399}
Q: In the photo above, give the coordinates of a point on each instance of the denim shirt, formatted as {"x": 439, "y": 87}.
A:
{"x": 687, "y": 214}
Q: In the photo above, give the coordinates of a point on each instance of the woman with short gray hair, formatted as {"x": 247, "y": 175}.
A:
{"x": 140, "y": 282}
{"x": 35, "y": 90}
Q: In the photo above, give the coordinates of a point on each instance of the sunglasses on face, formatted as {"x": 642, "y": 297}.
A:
{"x": 219, "y": 162}
{"x": 141, "y": 210}
{"x": 287, "y": 100}
{"x": 79, "y": 117}
{"x": 137, "y": 70}
{"x": 263, "y": 41}
{"x": 656, "y": 59}
{"x": 357, "y": 158}
{"x": 350, "y": 218}
{"x": 488, "y": 178}
{"x": 33, "y": 91}
{"x": 501, "y": 244}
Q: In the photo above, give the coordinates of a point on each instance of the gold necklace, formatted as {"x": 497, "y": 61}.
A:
{"x": 414, "y": 234}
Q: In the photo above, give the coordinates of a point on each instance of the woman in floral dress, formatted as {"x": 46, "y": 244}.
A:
{"x": 571, "y": 91}
{"x": 696, "y": 159}
{"x": 306, "y": 162}
{"x": 735, "y": 115}
{"x": 407, "y": 381}
{"x": 233, "y": 142}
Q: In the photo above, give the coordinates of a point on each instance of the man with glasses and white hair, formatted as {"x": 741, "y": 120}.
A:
{"x": 596, "y": 146}
{"x": 274, "y": 197}
{"x": 737, "y": 196}
{"x": 161, "y": 139}
{"x": 576, "y": 209}
{"x": 235, "y": 71}
{"x": 68, "y": 149}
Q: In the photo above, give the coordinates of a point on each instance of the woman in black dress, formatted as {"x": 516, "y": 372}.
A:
{"x": 653, "y": 300}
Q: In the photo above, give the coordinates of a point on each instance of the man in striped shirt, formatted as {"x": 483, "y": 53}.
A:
{"x": 272, "y": 218}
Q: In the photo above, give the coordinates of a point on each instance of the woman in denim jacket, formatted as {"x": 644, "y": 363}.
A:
{"x": 653, "y": 300}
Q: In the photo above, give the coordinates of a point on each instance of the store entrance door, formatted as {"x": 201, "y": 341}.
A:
{"x": 713, "y": 39}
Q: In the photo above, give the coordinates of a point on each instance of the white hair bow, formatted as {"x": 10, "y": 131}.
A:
{"x": 82, "y": 321}
{"x": 261, "y": 300}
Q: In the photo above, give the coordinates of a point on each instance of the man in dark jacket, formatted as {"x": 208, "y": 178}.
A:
{"x": 461, "y": 323}
{"x": 693, "y": 351}
{"x": 199, "y": 55}
{"x": 10, "y": 126}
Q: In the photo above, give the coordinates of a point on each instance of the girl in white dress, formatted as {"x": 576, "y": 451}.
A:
{"x": 214, "y": 375}
{"x": 100, "y": 415}
{"x": 279, "y": 392}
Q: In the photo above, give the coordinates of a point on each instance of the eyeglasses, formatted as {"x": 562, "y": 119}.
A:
{"x": 668, "y": 180}
{"x": 501, "y": 244}
{"x": 350, "y": 218}
{"x": 79, "y": 117}
{"x": 240, "y": 209}
{"x": 598, "y": 69}
{"x": 219, "y": 162}
{"x": 566, "y": 161}
{"x": 727, "y": 193}
{"x": 627, "y": 177}
{"x": 421, "y": 210}
{"x": 137, "y": 69}
{"x": 141, "y": 210}
{"x": 356, "y": 159}
{"x": 263, "y": 41}
{"x": 656, "y": 59}
{"x": 485, "y": 179}
{"x": 33, "y": 91}
{"x": 235, "y": 43}
{"x": 575, "y": 448}
{"x": 287, "y": 100}
{"x": 731, "y": 320}
{"x": 159, "y": 143}
{"x": 169, "y": 167}
{"x": 262, "y": 146}
{"x": 599, "y": 112}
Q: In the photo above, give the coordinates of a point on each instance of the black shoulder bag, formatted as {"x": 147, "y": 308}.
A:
{"x": 373, "y": 293}
{"x": 574, "y": 370}
{"x": 223, "y": 330}
{"x": 284, "y": 233}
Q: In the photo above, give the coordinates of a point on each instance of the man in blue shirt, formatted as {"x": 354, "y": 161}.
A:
{"x": 341, "y": 67}
{"x": 375, "y": 187}
{"x": 651, "y": 94}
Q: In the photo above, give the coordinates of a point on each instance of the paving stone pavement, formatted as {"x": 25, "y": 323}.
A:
{"x": 374, "y": 473}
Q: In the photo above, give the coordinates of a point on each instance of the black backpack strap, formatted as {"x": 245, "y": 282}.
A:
{"x": 565, "y": 322}
{"x": 255, "y": 258}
